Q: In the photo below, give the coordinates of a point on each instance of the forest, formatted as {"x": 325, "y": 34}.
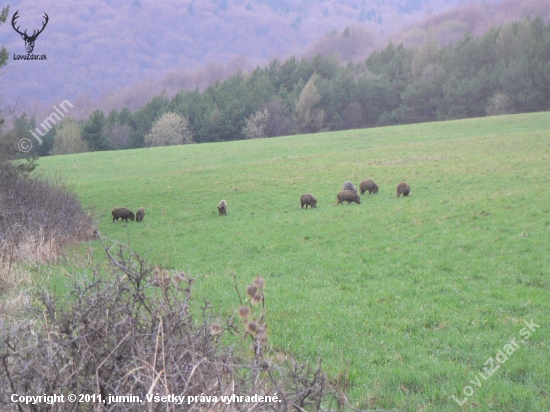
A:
{"x": 506, "y": 70}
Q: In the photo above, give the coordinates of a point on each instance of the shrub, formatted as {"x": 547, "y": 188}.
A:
{"x": 37, "y": 217}
{"x": 499, "y": 104}
{"x": 170, "y": 129}
{"x": 130, "y": 329}
{"x": 255, "y": 125}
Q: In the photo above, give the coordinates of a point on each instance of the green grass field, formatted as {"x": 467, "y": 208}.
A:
{"x": 413, "y": 294}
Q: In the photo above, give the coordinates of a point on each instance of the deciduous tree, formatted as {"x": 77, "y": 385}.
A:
{"x": 68, "y": 138}
{"x": 170, "y": 129}
{"x": 307, "y": 117}
{"x": 499, "y": 104}
{"x": 255, "y": 125}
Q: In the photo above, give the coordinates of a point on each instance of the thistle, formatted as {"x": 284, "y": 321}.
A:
{"x": 251, "y": 290}
{"x": 244, "y": 312}
{"x": 259, "y": 282}
{"x": 165, "y": 277}
{"x": 257, "y": 298}
{"x": 251, "y": 327}
{"x": 215, "y": 328}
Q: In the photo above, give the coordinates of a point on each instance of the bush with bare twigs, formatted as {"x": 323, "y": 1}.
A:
{"x": 132, "y": 331}
{"x": 37, "y": 217}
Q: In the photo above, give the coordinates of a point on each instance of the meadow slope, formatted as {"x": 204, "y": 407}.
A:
{"x": 406, "y": 296}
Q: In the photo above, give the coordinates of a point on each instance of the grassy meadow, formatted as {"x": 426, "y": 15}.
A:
{"x": 403, "y": 297}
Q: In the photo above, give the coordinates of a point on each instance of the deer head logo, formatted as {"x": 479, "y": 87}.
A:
{"x": 29, "y": 40}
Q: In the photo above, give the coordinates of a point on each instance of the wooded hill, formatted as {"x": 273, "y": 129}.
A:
{"x": 506, "y": 70}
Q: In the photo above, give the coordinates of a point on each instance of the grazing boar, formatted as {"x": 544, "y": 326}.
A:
{"x": 403, "y": 188}
{"x": 308, "y": 200}
{"x": 349, "y": 186}
{"x": 222, "y": 208}
{"x": 122, "y": 213}
{"x": 140, "y": 214}
{"x": 349, "y": 196}
{"x": 368, "y": 185}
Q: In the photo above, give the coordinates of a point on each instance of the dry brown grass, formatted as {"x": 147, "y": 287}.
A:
{"x": 15, "y": 284}
{"x": 38, "y": 217}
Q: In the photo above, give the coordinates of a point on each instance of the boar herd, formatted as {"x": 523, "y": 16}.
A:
{"x": 347, "y": 194}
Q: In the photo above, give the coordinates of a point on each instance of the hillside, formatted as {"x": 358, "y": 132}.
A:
{"x": 98, "y": 47}
{"x": 121, "y": 53}
{"x": 413, "y": 294}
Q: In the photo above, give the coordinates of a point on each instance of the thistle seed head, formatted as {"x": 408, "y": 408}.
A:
{"x": 244, "y": 312}
{"x": 259, "y": 282}
{"x": 251, "y": 327}
{"x": 251, "y": 290}
{"x": 165, "y": 277}
{"x": 215, "y": 328}
{"x": 257, "y": 298}
{"x": 177, "y": 278}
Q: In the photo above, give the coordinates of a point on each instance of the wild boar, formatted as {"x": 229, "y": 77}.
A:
{"x": 349, "y": 196}
{"x": 222, "y": 208}
{"x": 349, "y": 186}
{"x": 368, "y": 185}
{"x": 308, "y": 200}
{"x": 140, "y": 214}
{"x": 403, "y": 188}
{"x": 122, "y": 213}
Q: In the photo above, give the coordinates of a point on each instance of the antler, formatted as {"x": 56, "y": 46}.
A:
{"x": 34, "y": 32}
{"x": 13, "y": 24}
{"x": 34, "y": 36}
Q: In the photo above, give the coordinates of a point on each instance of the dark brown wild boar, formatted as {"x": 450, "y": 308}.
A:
{"x": 368, "y": 186}
{"x": 122, "y": 213}
{"x": 308, "y": 200}
{"x": 349, "y": 196}
{"x": 403, "y": 189}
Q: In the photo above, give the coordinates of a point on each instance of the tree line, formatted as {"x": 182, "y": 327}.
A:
{"x": 507, "y": 70}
